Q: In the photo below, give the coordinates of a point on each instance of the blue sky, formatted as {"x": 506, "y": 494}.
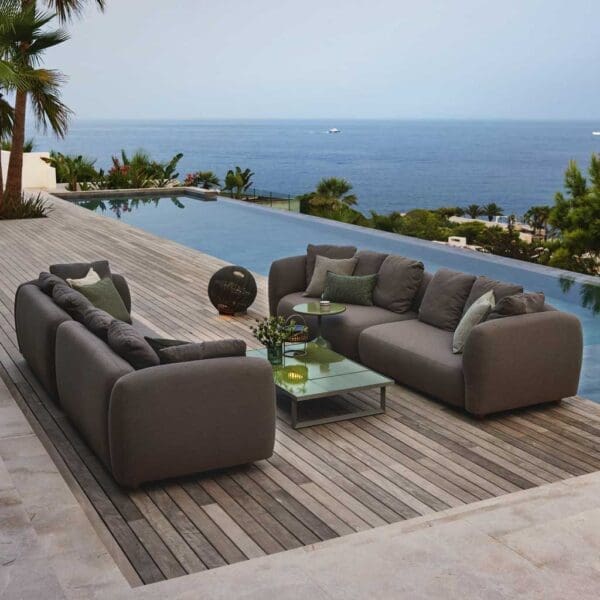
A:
{"x": 343, "y": 59}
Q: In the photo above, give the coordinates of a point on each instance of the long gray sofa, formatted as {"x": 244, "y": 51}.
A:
{"x": 155, "y": 423}
{"x": 507, "y": 363}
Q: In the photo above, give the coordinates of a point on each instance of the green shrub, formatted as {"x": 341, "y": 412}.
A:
{"x": 27, "y": 208}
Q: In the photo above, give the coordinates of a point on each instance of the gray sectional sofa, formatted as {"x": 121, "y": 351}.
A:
{"x": 159, "y": 422}
{"x": 506, "y": 363}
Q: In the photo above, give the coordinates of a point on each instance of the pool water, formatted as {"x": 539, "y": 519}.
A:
{"x": 254, "y": 236}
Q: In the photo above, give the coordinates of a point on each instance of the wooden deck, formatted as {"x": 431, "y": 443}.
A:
{"x": 322, "y": 482}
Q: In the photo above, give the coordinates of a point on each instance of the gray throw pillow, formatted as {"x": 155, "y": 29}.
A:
{"x": 445, "y": 298}
{"x": 484, "y": 284}
{"x": 475, "y": 314}
{"x": 71, "y": 301}
{"x": 79, "y": 270}
{"x": 105, "y": 295}
{"x": 398, "y": 281}
{"x": 47, "y": 281}
{"x": 98, "y": 321}
{"x": 131, "y": 346}
{"x": 350, "y": 289}
{"x": 158, "y": 344}
{"x": 202, "y": 351}
{"x": 519, "y": 304}
{"x": 369, "y": 262}
{"x": 343, "y": 266}
{"x": 328, "y": 251}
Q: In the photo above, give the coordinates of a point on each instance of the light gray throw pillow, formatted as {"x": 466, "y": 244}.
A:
{"x": 398, "y": 282}
{"x": 323, "y": 265}
{"x": 475, "y": 314}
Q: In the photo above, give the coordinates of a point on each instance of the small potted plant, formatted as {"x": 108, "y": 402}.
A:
{"x": 272, "y": 332}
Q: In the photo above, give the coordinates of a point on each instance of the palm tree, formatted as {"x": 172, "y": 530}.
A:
{"x": 474, "y": 211}
{"x": 492, "y": 210}
{"x": 23, "y": 41}
{"x": 333, "y": 192}
{"x": 6, "y": 125}
{"x": 537, "y": 218}
{"x": 238, "y": 181}
{"x": 28, "y": 146}
{"x": 46, "y": 103}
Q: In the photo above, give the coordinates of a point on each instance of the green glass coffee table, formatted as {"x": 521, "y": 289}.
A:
{"x": 322, "y": 373}
{"x": 314, "y": 309}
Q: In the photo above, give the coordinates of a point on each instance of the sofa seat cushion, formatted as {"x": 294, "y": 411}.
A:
{"x": 417, "y": 355}
{"x": 343, "y": 330}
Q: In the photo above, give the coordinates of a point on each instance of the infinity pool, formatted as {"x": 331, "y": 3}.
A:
{"x": 253, "y": 237}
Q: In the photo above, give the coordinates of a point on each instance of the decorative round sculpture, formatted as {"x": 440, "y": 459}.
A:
{"x": 232, "y": 290}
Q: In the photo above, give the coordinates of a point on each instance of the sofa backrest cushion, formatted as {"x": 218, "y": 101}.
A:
{"x": 519, "y": 304}
{"x": 398, "y": 282}
{"x": 484, "y": 284}
{"x": 80, "y": 270}
{"x": 47, "y": 281}
{"x": 323, "y": 265}
{"x": 71, "y": 301}
{"x": 312, "y": 251}
{"x": 445, "y": 298}
{"x": 103, "y": 294}
{"x": 369, "y": 262}
{"x": 131, "y": 346}
{"x": 97, "y": 321}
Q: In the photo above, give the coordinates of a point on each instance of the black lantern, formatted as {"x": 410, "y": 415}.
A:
{"x": 232, "y": 290}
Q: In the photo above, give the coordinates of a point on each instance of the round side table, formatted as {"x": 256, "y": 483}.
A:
{"x": 314, "y": 309}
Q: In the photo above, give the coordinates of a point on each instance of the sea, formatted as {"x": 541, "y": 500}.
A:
{"x": 393, "y": 165}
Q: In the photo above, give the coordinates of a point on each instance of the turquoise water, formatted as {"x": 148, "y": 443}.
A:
{"x": 394, "y": 165}
{"x": 253, "y": 237}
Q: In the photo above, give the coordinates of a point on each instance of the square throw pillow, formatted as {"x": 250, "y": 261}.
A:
{"x": 104, "y": 295}
{"x": 342, "y": 266}
{"x": 98, "y": 322}
{"x": 202, "y": 351}
{"x": 89, "y": 279}
{"x": 369, "y": 262}
{"x": 445, "y": 298}
{"x": 80, "y": 270}
{"x": 398, "y": 281}
{"x": 328, "y": 251}
{"x": 131, "y": 346}
{"x": 350, "y": 289}
{"x": 519, "y": 304}
{"x": 475, "y": 314}
{"x": 484, "y": 284}
{"x": 47, "y": 281}
{"x": 71, "y": 301}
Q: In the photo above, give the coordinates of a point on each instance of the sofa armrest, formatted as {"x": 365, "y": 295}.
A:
{"x": 123, "y": 289}
{"x": 183, "y": 418}
{"x": 522, "y": 360}
{"x": 286, "y": 275}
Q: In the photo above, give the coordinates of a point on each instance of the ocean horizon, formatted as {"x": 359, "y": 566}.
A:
{"x": 392, "y": 164}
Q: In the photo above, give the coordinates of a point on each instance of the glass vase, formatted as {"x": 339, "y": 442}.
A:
{"x": 275, "y": 354}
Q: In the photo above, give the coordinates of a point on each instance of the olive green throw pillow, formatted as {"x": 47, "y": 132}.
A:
{"x": 104, "y": 295}
{"x": 350, "y": 289}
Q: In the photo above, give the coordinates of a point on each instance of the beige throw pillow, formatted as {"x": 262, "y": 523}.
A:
{"x": 91, "y": 278}
{"x": 476, "y": 313}
{"x": 340, "y": 266}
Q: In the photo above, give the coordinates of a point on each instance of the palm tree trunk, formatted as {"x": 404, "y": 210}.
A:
{"x": 14, "y": 177}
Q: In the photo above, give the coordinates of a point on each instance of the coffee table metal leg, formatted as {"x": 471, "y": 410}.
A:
{"x": 294, "y": 413}
{"x": 382, "y": 398}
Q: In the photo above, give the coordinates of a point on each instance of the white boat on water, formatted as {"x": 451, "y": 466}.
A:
{"x": 595, "y": 132}
{"x": 336, "y": 130}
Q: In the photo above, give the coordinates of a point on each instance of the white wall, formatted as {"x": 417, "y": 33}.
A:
{"x": 36, "y": 172}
